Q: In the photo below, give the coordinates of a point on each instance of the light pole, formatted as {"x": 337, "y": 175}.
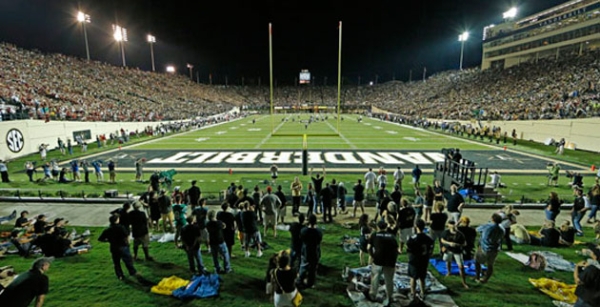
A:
{"x": 171, "y": 69}
{"x": 462, "y": 39}
{"x": 120, "y": 35}
{"x": 83, "y": 19}
{"x": 151, "y": 41}
{"x": 190, "y": 67}
{"x": 510, "y": 14}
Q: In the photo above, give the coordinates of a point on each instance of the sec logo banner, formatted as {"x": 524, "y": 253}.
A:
{"x": 14, "y": 140}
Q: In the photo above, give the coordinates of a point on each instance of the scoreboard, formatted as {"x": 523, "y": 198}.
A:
{"x": 304, "y": 76}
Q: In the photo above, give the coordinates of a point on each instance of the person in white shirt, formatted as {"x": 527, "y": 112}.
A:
{"x": 495, "y": 180}
{"x": 370, "y": 178}
{"x": 398, "y": 177}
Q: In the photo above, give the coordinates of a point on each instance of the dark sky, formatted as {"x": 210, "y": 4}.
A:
{"x": 387, "y": 38}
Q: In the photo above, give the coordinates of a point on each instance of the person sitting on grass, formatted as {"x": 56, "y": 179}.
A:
{"x": 567, "y": 234}
{"x": 548, "y": 236}
{"x": 519, "y": 234}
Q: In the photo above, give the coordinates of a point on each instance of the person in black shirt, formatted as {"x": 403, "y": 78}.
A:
{"x": 194, "y": 195}
{"x": 383, "y": 248}
{"x": 383, "y": 198}
{"x": 217, "y": 243}
{"x": 318, "y": 184}
{"x": 578, "y": 210}
{"x": 327, "y": 198}
{"x": 283, "y": 278}
{"x": 587, "y": 279}
{"x": 396, "y": 195}
{"x": 470, "y": 236}
{"x": 30, "y": 285}
{"x": 455, "y": 203}
{"x": 549, "y": 236}
{"x": 22, "y": 221}
{"x": 251, "y": 228}
{"x": 406, "y": 222}
{"x": 229, "y": 231}
{"x": 359, "y": 197}
{"x": 438, "y": 221}
{"x": 296, "y": 246}
{"x": 256, "y": 196}
{"x": 281, "y": 211}
{"x": 567, "y": 234}
{"x": 453, "y": 242}
{"x": 420, "y": 248}
{"x": 311, "y": 238}
{"x": 123, "y": 213}
{"x": 139, "y": 230}
{"x": 190, "y": 237}
{"x": 334, "y": 196}
{"x": 39, "y": 227}
{"x": 155, "y": 182}
{"x": 118, "y": 237}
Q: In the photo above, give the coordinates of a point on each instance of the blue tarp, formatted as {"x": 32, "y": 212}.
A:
{"x": 201, "y": 286}
{"x": 440, "y": 266}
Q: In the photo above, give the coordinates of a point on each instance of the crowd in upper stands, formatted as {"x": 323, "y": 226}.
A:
{"x": 54, "y": 86}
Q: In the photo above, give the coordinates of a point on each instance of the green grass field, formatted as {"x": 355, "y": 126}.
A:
{"x": 88, "y": 280}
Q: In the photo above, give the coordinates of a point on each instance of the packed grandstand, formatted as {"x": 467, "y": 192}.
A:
{"x": 35, "y": 85}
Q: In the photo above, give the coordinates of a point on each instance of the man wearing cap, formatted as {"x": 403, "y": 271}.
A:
{"x": 420, "y": 248}
{"x": 118, "y": 237}
{"x": 139, "y": 230}
{"x": 27, "y": 286}
{"x": 270, "y": 203}
{"x": 383, "y": 248}
{"x": 453, "y": 243}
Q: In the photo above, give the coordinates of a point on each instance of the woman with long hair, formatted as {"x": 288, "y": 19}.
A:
{"x": 553, "y": 206}
{"x": 429, "y": 196}
{"x": 365, "y": 233}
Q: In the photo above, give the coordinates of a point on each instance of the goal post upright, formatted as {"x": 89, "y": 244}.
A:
{"x": 339, "y": 111}
{"x": 271, "y": 77}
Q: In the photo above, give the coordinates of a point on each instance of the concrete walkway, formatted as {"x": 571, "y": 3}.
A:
{"x": 95, "y": 215}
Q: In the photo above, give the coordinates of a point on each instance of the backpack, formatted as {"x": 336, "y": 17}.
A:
{"x": 536, "y": 261}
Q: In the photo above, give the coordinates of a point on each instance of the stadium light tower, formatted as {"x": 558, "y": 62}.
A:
{"x": 151, "y": 40}
{"x": 510, "y": 14}
{"x": 190, "y": 67}
{"x": 462, "y": 39}
{"x": 83, "y": 18}
{"x": 171, "y": 69}
{"x": 120, "y": 35}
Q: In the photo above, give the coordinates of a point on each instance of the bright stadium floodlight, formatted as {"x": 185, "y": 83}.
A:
{"x": 83, "y": 19}
{"x": 462, "y": 39}
{"x": 171, "y": 69}
{"x": 512, "y": 13}
{"x": 151, "y": 40}
{"x": 120, "y": 35}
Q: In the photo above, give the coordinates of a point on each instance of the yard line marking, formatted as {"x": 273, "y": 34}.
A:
{"x": 268, "y": 136}
{"x": 343, "y": 137}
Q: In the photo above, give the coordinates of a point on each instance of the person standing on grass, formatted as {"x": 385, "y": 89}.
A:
{"x": 438, "y": 220}
{"x": 228, "y": 219}
{"x": 251, "y": 228}
{"x": 296, "y": 246}
{"x": 139, "y": 230}
{"x": 166, "y": 211}
{"x": 112, "y": 172}
{"x": 273, "y": 169}
{"x": 318, "y": 184}
{"x": 490, "y": 240}
{"x": 398, "y": 177}
{"x": 179, "y": 213}
{"x": 118, "y": 237}
{"x": 194, "y": 195}
{"x": 190, "y": 237}
{"x": 327, "y": 199}
{"x": 416, "y": 177}
{"x": 370, "y": 178}
{"x": 28, "y": 286}
{"x": 309, "y": 200}
{"x": 455, "y": 203}
{"x": 419, "y": 248}
{"x": 553, "y": 206}
{"x": 470, "y": 236}
{"x": 218, "y": 248}
{"x": 311, "y": 238}
{"x": 269, "y": 204}
{"x": 453, "y": 244}
{"x": 282, "y": 209}
{"x": 405, "y": 222}
{"x": 296, "y": 188}
{"x": 359, "y": 198}
{"x": 594, "y": 199}
{"x": 341, "y": 195}
{"x": 256, "y": 196}
{"x": 578, "y": 210}
{"x": 365, "y": 234}
{"x": 383, "y": 248}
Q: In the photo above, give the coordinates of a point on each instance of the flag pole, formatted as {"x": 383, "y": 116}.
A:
{"x": 339, "y": 75}
{"x": 271, "y": 76}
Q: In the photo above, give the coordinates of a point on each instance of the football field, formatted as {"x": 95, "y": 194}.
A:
{"x": 254, "y": 143}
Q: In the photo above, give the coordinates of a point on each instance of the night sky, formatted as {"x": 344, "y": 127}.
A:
{"x": 384, "y": 38}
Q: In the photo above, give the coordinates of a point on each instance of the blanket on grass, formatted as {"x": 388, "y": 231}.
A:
{"x": 555, "y": 289}
{"x": 440, "y": 266}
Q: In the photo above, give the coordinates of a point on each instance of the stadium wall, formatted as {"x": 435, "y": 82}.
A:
{"x": 579, "y": 133}
{"x": 36, "y": 132}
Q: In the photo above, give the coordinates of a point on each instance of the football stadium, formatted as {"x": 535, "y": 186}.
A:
{"x": 475, "y": 186}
